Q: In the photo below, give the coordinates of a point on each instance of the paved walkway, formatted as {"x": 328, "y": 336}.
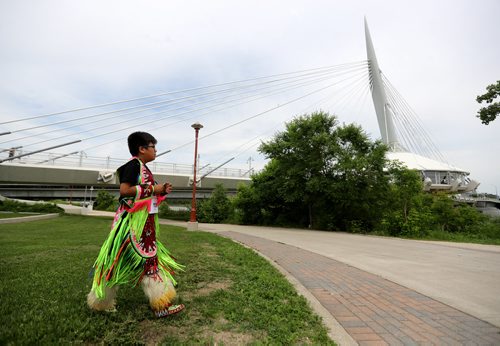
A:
{"x": 373, "y": 310}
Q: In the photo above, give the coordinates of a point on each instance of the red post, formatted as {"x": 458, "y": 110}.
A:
{"x": 196, "y": 127}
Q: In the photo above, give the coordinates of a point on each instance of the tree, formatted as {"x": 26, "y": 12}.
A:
{"x": 105, "y": 201}
{"x": 408, "y": 210}
{"x": 261, "y": 202}
{"x": 490, "y": 112}
{"x": 325, "y": 175}
{"x": 454, "y": 217}
{"x": 217, "y": 208}
{"x": 247, "y": 205}
{"x": 406, "y": 185}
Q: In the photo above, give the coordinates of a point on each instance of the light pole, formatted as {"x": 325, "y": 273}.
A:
{"x": 192, "y": 219}
{"x": 496, "y": 191}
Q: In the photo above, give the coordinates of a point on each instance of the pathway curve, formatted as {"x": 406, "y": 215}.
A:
{"x": 368, "y": 283}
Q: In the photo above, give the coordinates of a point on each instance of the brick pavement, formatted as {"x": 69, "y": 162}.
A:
{"x": 373, "y": 310}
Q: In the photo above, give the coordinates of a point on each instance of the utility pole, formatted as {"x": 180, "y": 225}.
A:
{"x": 249, "y": 161}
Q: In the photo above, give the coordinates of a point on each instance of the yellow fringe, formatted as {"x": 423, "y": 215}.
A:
{"x": 164, "y": 301}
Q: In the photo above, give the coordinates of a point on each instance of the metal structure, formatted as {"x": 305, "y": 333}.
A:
{"x": 436, "y": 174}
{"x": 385, "y": 120}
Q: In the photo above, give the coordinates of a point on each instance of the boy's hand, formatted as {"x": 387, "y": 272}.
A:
{"x": 167, "y": 188}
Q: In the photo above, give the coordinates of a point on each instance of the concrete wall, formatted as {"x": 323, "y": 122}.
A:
{"x": 52, "y": 182}
{"x": 50, "y": 175}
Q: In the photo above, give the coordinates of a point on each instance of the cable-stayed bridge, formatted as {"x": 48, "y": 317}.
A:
{"x": 51, "y": 149}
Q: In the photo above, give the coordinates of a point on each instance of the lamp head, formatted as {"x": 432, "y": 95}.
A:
{"x": 197, "y": 126}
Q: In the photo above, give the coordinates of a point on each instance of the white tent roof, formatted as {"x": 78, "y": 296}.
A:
{"x": 421, "y": 163}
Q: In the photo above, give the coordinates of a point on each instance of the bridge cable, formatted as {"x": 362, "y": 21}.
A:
{"x": 160, "y": 94}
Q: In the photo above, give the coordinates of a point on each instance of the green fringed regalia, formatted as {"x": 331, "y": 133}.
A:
{"x": 132, "y": 249}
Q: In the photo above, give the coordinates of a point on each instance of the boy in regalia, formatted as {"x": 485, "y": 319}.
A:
{"x": 132, "y": 253}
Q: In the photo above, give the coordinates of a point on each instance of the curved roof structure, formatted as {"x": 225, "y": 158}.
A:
{"x": 436, "y": 175}
{"x": 422, "y": 163}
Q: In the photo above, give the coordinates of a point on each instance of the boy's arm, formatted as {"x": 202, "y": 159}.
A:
{"x": 129, "y": 190}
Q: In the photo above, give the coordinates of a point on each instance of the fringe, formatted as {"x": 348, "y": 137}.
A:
{"x": 107, "y": 303}
{"x": 119, "y": 263}
{"x": 159, "y": 291}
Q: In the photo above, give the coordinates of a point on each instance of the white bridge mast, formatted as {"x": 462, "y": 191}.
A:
{"x": 384, "y": 117}
{"x": 436, "y": 175}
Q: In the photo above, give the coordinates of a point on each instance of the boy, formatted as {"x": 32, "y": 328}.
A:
{"x": 132, "y": 254}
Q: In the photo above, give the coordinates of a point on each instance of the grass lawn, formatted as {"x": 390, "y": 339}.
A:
{"x": 232, "y": 295}
{"x": 478, "y": 238}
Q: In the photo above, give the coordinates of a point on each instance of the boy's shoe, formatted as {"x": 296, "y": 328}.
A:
{"x": 170, "y": 310}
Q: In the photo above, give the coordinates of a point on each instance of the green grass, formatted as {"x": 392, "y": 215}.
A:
{"x": 478, "y": 238}
{"x": 233, "y": 296}
{"x": 486, "y": 232}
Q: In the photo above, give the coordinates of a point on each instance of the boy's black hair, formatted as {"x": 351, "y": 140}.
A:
{"x": 139, "y": 139}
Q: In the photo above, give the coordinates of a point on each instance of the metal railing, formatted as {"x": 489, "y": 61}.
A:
{"x": 80, "y": 159}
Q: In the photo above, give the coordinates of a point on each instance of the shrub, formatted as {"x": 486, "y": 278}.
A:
{"x": 105, "y": 201}
{"x": 15, "y": 206}
{"x": 217, "y": 208}
{"x": 455, "y": 218}
{"x": 165, "y": 212}
{"x": 247, "y": 205}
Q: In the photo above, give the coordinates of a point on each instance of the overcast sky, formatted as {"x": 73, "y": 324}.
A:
{"x": 60, "y": 55}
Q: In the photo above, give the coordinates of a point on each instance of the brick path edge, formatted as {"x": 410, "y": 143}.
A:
{"x": 335, "y": 331}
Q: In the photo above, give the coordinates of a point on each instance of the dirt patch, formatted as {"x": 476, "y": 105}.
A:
{"x": 204, "y": 289}
{"x": 218, "y": 332}
{"x": 228, "y": 338}
{"x": 152, "y": 333}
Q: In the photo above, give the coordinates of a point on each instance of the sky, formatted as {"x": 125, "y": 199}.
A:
{"x": 65, "y": 55}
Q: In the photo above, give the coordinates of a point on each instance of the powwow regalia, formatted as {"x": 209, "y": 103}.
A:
{"x": 132, "y": 253}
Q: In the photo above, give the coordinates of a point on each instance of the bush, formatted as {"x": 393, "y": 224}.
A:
{"x": 455, "y": 218}
{"x": 486, "y": 230}
{"x": 165, "y": 212}
{"x": 105, "y": 201}
{"x": 15, "y": 206}
{"x": 247, "y": 205}
{"x": 217, "y": 208}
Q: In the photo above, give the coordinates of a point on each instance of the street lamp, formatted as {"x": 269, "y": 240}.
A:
{"x": 192, "y": 220}
{"x": 496, "y": 191}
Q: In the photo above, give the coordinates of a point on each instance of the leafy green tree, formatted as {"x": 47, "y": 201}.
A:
{"x": 105, "y": 201}
{"x": 490, "y": 112}
{"x": 405, "y": 186}
{"x": 217, "y": 208}
{"x": 261, "y": 203}
{"x": 323, "y": 174}
{"x": 454, "y": 218}
{"x": 360, "y": 184}
{"x": 409, "y": 207}
{"x": 247, "y": 205}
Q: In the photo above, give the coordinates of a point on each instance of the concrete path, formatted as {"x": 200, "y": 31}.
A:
{"x": 387, "y": 290}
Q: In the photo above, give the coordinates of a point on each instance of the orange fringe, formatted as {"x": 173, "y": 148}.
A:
{"x": 125, "y": 243}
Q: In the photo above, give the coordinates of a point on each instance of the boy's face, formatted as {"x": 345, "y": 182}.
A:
{"x": 148, "y": 153}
